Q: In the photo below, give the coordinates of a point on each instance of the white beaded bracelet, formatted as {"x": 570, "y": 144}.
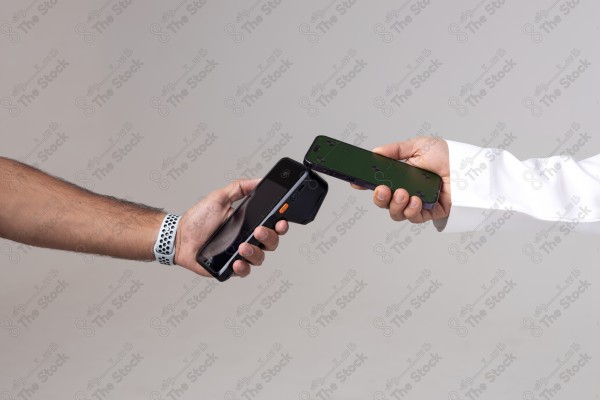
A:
{"x": 164, "y": 248}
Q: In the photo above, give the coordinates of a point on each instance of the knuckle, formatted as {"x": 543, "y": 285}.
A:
{"x": 260, "y": 257}
{"x": 415, "y": 219}
{"x": 396, "y": 215}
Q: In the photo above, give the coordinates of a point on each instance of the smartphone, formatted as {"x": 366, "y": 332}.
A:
{"x": 367, "y": 169}
{"x": 289, "y": 191}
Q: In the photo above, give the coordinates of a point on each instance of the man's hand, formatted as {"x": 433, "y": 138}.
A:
{"x": 429, "y": 153}
{"x": 201, "y": 221}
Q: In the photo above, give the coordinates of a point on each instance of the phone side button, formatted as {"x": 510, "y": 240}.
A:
{"x": 283, "y": 208}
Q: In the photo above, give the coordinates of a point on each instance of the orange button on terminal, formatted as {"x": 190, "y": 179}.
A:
{"x": 283, "y": 208}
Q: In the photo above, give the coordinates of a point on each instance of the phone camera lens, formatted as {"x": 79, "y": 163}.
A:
{"x": 285, "y": 174}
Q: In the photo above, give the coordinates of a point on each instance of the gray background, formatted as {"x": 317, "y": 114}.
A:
{"x": 348, "y": 325}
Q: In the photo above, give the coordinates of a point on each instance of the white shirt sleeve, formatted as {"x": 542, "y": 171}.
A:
{"x": 491, "y": 186}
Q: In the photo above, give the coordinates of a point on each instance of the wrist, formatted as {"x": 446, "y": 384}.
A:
{"x": 178, "y": 251}
{"x": 164, "y": 246}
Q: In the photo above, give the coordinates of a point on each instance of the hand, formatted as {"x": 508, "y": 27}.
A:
{"x": 429, "y": 153}
{"x": 201, "y": 221}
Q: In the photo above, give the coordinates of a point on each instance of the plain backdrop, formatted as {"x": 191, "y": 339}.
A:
{"x": 163, "y": 102}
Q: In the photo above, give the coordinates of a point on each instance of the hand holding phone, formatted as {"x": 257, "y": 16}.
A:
{"x": 427, "y": 152}
{"x": 204, "y": 218}
{"x": 370, "y": 170}
{"x": 401, "y": 197}
{"x": 289, "y": 191}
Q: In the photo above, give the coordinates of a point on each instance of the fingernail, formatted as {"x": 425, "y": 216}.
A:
{"x": 248, "y": 251}
{"x": 413, "y": 203}
{"x": 398, "y": 199}
{"x": 380, "y": 195}
{"x": 261, "y": 235}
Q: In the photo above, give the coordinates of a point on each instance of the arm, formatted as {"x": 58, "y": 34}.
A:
{"x": 44, "y": 211}
{"x": 477, "y": 182}
{"x": 41, "y": 210}
{"x": 537, "y": 192}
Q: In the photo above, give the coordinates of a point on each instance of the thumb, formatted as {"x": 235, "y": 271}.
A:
{"x": 235, "y": 191}
{"x": 398, "y": 150}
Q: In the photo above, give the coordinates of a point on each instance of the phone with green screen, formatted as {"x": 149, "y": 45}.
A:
{"x": 367, "y": 169}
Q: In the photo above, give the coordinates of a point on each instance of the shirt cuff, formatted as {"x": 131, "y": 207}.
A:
{"x": 469, "y": 186}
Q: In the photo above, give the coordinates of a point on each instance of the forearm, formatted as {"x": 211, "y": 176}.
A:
{"x": 534, "y": 194}
{"x": 40, "y": 210}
